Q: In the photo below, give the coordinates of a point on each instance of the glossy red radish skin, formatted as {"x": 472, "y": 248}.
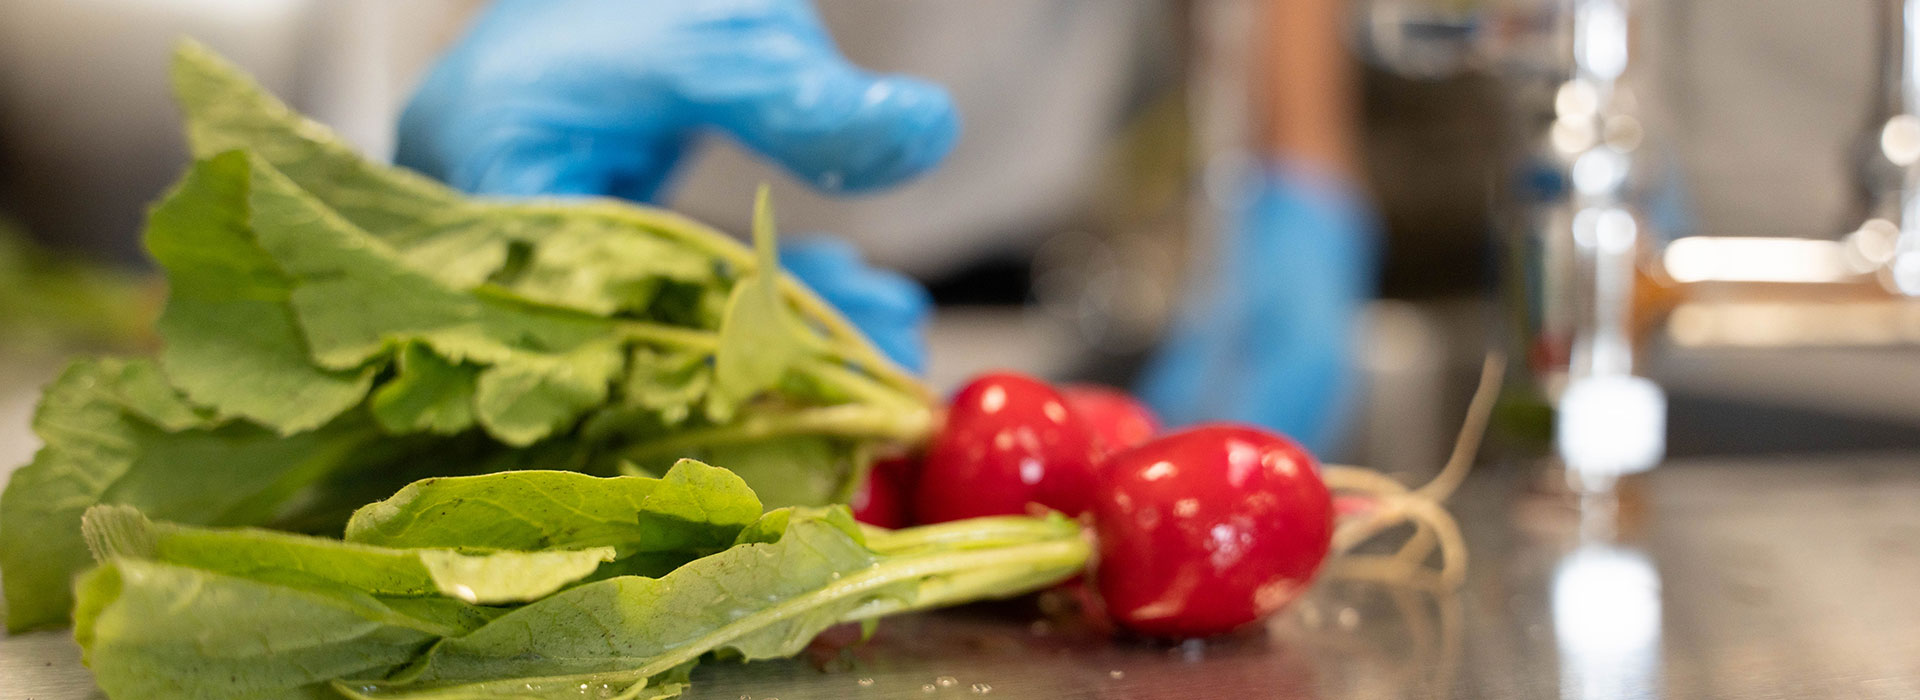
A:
{"x": 1209, "y": 529}
{"x": 1118, "y": 421}
{"x": 881, "y": 499}
{"x": 1009, "y": 443}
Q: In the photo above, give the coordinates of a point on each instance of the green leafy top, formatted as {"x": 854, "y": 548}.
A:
{"x": 337, "y": 327}
{"x": 534, "y": 312}
{"x": 245, "y": 613}
{"x": 115, "y": 532}
{"x": 693, "y": 511}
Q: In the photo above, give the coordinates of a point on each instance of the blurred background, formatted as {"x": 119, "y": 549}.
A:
{"x": 1752, "y": 119}
{"x": 1707, "y": 200}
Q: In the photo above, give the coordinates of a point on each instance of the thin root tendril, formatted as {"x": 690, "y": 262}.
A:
{"x": 1392, "y": 505}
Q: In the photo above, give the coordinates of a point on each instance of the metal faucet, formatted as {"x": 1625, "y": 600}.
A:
{"x": 1581, "y": 243}
{"x": 1588, "y": 276}
{"x": 1592, "y": 277}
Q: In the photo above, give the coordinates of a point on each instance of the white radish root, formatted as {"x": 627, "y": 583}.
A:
{"x": 1388, "y": 506}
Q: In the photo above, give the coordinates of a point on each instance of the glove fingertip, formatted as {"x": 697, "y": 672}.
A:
{"x": 521, "y": 177}
{"x": 916, "y": 126}
{"x": 815, "y": 256}
{"x": 898, "y": 295}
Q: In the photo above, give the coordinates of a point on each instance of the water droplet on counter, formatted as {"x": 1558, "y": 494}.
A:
{"x": 927, "y": 688}
{"x": 1116, "y": 674}
{"x": 866, "y": 682}
{"x": 946, "y": 681}
{"x": 982, "y": 689}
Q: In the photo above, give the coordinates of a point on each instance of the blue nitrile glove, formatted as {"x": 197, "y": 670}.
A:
{"x": 604, "y": 97}
{"x": 889, "y": 307}
{"x": 1268, "y": 332}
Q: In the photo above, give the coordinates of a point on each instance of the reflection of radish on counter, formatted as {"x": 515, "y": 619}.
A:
{"x": 502, "y": 381}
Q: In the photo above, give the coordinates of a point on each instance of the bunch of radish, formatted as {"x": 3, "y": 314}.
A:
{"x": 1200, "y": 531}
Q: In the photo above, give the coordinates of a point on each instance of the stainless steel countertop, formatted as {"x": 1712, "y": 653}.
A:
{"x": 1784, "y": 578}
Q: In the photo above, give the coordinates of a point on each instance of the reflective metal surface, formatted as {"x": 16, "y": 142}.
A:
{"x": 1786, "y": 578}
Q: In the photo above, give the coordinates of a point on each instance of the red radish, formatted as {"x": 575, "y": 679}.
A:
{"x": 1208, "y": 529}
{"x": 882, "y": 498}
{"x": 1118, "y": 421}
{"x": 1009, "y": 441}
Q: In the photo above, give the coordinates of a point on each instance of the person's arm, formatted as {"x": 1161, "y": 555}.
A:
{"x": 1308, "y": 102}
{"x": 1269, "y": 330}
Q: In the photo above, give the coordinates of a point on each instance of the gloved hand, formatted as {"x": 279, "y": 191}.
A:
{"x": 604, "y": 97}
{"x": 1268, "y": 332}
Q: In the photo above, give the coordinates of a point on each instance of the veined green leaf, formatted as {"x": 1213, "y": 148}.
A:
{"x": 138, "y": 388}
{"x": 278, "y": 557}
{"x": 102, "y": 444}
{"x": 594, "y": 266}
{"x": 533, "y": 396}
{"x": 670, "y": 385}
{"x": 668, "y": 621}
{"x": 800, "y": 470}
{"x": 613, "y": 687}
{"x": 355, "y": 299}
{"x": 154, "y": 630}
{"x": 231, "y": 340}
{"x": 658, "y": 524}
{"x": 226, "y": 111}
{"x": 89, "y": 444}
{"x": 463, "y": 252}
{"x": 426, "y": 394}
{"x": 793, "y": 574}
{"x": 577, "y": 262}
